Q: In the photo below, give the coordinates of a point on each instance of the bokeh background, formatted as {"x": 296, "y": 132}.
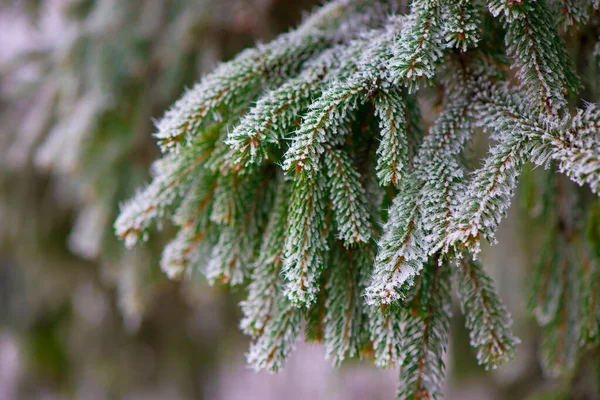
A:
{"x": 81, "y": 82}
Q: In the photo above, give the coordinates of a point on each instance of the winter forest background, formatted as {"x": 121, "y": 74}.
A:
{"x": 81, "y": 82}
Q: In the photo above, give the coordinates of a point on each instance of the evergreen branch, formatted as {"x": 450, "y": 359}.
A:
{"x": 274, "y": 114}
{"x": 327, "y": 116}
{"x": 193, "y": 218}
{"x": 265, "y": 288}
{"x": 543, "y": 66}
{"x": 573, "y": 142}
{"x": 460, "y": 25}
{"x": 278, "y": 339}
{"x": 393, "y": 149}
{"x": 419, "y": 219}
{"x": 487, "y": 196}
{"x": 402, "y": 249}
{"x": 577, "y": 148}
{"x": 486, "y": 317}
{"x": 171, "y": 179}
{"x": 236, "y": 82}
{"x": 386, "y": 335}
{"x": 304, "y": 239}
{"x": 511, "y": 10}
{"x": 425, "y": 337}
{"x": 345, "y": 318}
{"x": 574, "y": 12}
{"x": 348, "y": 198}
{"x": 306, "y": 242}
{"x": 234, "y": 251}
{"x": 437, "y": 168}
{"x": 419, "y": 47}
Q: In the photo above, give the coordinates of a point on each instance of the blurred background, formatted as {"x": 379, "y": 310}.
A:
{"x": 81, "y": 82}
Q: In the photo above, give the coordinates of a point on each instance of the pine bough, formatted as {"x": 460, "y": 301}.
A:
{"x": 300, "y": 169}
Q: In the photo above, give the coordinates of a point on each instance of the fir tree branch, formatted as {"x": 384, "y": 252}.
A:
{"x": 393, "y": 150}
{"x": 235, "y": 83}
{"x": 460, "y": 26}
{"x": 386, "y": 335}
{"x": 326, "y": 119}
{"x": 576, "y": 148}
{"x": 419, "y": 47}
{"x": 402, "y": 249}
{"x": 348, "y": 198}
{"x": 574, "y": 12}
{"x": 425, "y": 337}
{"x": 265, "y": 289}
{"x": 278, "y": 339}
{"x": 234, "y": 250}
{"x": 306, "y": 241}
{"x": 193, "y": 218}
{"x": 487, "y": 196}
{"x": 572, "y": 141}
{"x": 543, "y": 66}
{"x": 441, "y": 174}
{"x": 172, "y": 176}
{"x": 303, "y": 235}
{"x": 274, "y": 114}
{"x": 345, "y": 318}
{"x": 486, "y": 316}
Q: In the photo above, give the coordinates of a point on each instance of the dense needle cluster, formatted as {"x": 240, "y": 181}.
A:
{"x": 302, "y": 169}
